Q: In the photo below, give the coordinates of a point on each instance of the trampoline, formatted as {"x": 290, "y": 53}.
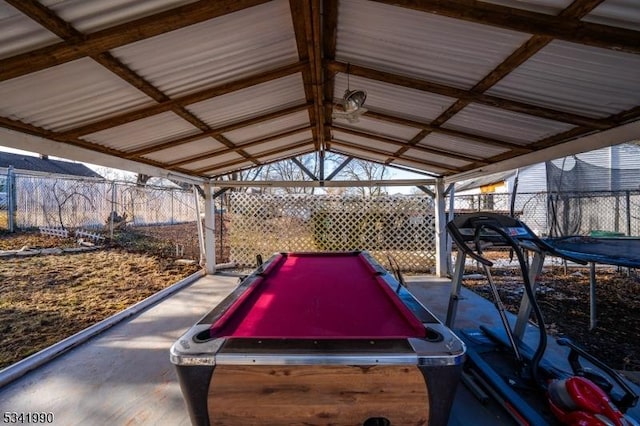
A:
{"x": 616, "y": 251}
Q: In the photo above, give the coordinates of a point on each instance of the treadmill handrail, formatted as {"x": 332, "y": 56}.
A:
{"x": 476, "y": 221}
{"x": 460, "y": 242}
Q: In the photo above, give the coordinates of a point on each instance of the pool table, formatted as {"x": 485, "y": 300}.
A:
{"x": 319, "y": 338}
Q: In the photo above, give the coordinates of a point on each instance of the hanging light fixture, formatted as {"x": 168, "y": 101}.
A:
{"x": 351, "y": 105}
{"x": 353, "y": 100}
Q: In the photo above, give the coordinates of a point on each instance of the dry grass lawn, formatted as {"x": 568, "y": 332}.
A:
{"x": 54, "y": 296}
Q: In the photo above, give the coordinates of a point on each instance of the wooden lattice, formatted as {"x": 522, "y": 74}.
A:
{"x": 399, "y": 226}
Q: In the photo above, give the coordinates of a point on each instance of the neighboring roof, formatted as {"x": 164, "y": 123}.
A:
{"x": 40, "y": 165}
{"x": 203, "y": 88}
{"x": 484, "y": 180}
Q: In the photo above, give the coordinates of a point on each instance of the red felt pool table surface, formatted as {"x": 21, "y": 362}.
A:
{"x": 311, "y": 295}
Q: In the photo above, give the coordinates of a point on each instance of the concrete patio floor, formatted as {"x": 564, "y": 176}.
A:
{"x": 124, "y": 377}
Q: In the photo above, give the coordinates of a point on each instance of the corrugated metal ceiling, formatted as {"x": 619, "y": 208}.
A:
{"x": 206, "y": 88}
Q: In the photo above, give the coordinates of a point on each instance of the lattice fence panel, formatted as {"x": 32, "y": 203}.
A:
{"x": 400, "y": 226}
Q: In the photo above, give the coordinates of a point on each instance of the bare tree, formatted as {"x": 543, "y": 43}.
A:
{"x": 361, "y": 170}
{"x": 288, "y": 170}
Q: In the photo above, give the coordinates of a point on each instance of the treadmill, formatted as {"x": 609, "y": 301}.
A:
{"x": 501, "y": 366}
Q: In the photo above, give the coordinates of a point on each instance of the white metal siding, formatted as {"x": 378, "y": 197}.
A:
{"x": 288, "y": 154}
{"x": 365, "y": 142}
{"x": 435, "y": 158}
{"x": 212, "y": 162}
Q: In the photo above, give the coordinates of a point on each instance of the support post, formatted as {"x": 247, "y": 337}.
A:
{"x": 592, "y": 296}
{"x": 196, "y": 198}
{"x": 451, "y": 190}
{"x": 209, "y": 230}
{"x": 113, "y": 208}
{"x": 321, "y": 165}
{"x": 441, "y": 231}
{"x": 10, "y": 187}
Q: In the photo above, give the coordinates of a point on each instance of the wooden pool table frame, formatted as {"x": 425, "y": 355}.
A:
{"x": 337, "y": 381}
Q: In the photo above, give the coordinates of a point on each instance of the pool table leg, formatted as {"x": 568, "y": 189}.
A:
{"x": 445, "y": 380}
{"x": 194, "y": 383}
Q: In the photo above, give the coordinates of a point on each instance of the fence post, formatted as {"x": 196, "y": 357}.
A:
{"x": 113, "y": 208}
{"x": 628, "y": 207}
{"x": 11, "y": 199}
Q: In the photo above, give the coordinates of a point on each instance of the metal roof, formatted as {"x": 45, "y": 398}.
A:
{"x": 199, "y": 89}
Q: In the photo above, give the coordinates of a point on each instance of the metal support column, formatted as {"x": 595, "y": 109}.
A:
{"x": 196, "y": 198}
{"x": 209, "y": 230}
{"x": 441, "y": 231}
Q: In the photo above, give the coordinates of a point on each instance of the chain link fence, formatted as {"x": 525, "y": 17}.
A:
{"x": 565, "y": 213}
{"x": 251, "y": 224}
{"x": 89, "y": 203}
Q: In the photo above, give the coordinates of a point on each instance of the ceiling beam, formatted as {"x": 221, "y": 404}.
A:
{"x": 300, "y": 15}
{"x": 614, "y": 136}
{"x": 183, "y": 101}
{"x": 21, "y": 140}
{"x": 217, "y": 131}
{"x": 118, "y": 35}
{"x": 329, "y": 43}
{"x": 407, "y": 145}
{"x": 453, "y": 92}
{"x": 322, "y": 183}
{"x": 445, "y": 131}
{"x": 63, "y": 29}
{"x": 576, "y": 10}
{"x": 571, "y": 30}
{"x": 440, "y": 166}
{"x": 219, "y": 152}
{"x": 275, "y": 151}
